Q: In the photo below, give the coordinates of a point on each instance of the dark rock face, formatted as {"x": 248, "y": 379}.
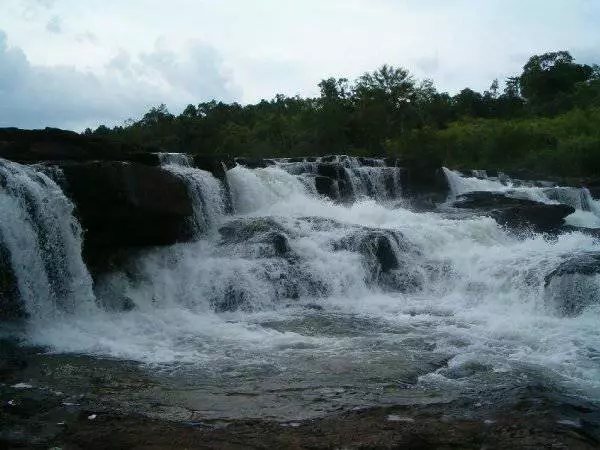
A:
{"x": 254, "y": 163}
{"x": 338, "y": 173}
{"x": 326, "y": 186}
{"x": 9, "y": 295}
{"x": 572, "y": 287}
{"x": 123, "y": 205}
{"x": 425, "y": 186}
{"x": 218, "y": 166}
{"x": 487, "y": 200}
{"x": 50, "y": 144}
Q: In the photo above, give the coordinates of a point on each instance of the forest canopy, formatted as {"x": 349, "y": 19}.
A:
{"x": 546, "y": 118}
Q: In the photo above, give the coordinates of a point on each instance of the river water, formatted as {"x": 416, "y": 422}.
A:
{"x": 234, "y": 326}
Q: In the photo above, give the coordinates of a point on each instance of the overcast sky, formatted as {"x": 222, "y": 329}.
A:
{"x": 78, "y": 63}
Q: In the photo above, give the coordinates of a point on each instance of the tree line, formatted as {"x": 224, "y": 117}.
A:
{"x": 547, "y": 119}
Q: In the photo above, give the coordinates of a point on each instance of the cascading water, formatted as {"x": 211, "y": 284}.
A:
{"x": 207, "y": 192}
{"x": 587, "y": 210}
{"x": 373, "y": 180}
{"x": 302, "y": 296}
{"x": 43, "y": 243}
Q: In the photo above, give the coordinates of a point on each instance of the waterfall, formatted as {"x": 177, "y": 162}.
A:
{"x": 587, "y": 213}
{"x": 291, "y": 282}
{"x": 208, "y": 194}
{"x": 370, "y": 180}
{"x": 43, "y": 241}
{"x": 179, "y": 159}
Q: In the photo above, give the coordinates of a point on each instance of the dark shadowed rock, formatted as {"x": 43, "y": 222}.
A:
{"x": 326, "y": 186}
{"x": 254, "y": 163}
{"x": 424, "y": 185}
{"x": 10, "y": 306}
{"x": 218, "y": 166}
{"x": 329, "y": 158}
{"x": 491, "y": 200}
{"x": 516, "y": 213}
{"x": 123, "y": 205}
{"x": 368, "y": 162}
{"x": 337, "y": 172}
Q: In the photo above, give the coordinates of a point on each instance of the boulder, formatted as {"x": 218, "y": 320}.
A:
{"x": 424, "y": 185}
{"x": 517, "y": 213}
{"x": 269, "y": 237}
{"x": 491, "y": 200}
{"x": 540, "y": 218}
{"x": 389, "y": 258}
{"x": 572, "y": 286}
{"x": 218, "y": 166}
{"x": 125, "y": 205}
{"x": 326, "y": 186}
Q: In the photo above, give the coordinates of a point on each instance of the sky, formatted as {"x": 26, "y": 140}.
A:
{"x": 79, "y": 63}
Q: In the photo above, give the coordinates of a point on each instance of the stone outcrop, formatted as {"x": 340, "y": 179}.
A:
{"x": 517, "y": 213}
{"x": 571, "y": 287}
{"x": 127, "y": 205}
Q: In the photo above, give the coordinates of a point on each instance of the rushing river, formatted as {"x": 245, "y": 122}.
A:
{"x": 292, "y": 307}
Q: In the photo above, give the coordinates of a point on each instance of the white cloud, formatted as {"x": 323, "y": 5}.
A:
{"x": 54, "y": 25}
{"x": 65, "y": 96}
{"x": 288, "y": 46}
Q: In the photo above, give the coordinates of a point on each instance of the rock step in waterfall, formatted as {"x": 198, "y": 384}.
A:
{"x": 170, "y": 198}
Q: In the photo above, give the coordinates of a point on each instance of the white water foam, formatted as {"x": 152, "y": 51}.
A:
{"x": 207, "y": 193}
{"x": 43, "y": 241}
{"x": 483, "y": 302}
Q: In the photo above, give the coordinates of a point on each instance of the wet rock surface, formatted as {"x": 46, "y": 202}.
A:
{"x": 516, "y": 213}
{"x": 136, "y": 206}
{"x": 571, "y": 287}
{"x": 10, "y": 306}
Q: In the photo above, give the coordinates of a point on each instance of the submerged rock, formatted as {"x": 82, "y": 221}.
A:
{"x": 574, "y": 285}
{"x": 491, "y": 200}
{"x": 389, "y": 258}
{"x": 261, "y": 230}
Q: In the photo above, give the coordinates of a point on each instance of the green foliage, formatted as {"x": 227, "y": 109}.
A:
{"x": 546, "y": 118}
